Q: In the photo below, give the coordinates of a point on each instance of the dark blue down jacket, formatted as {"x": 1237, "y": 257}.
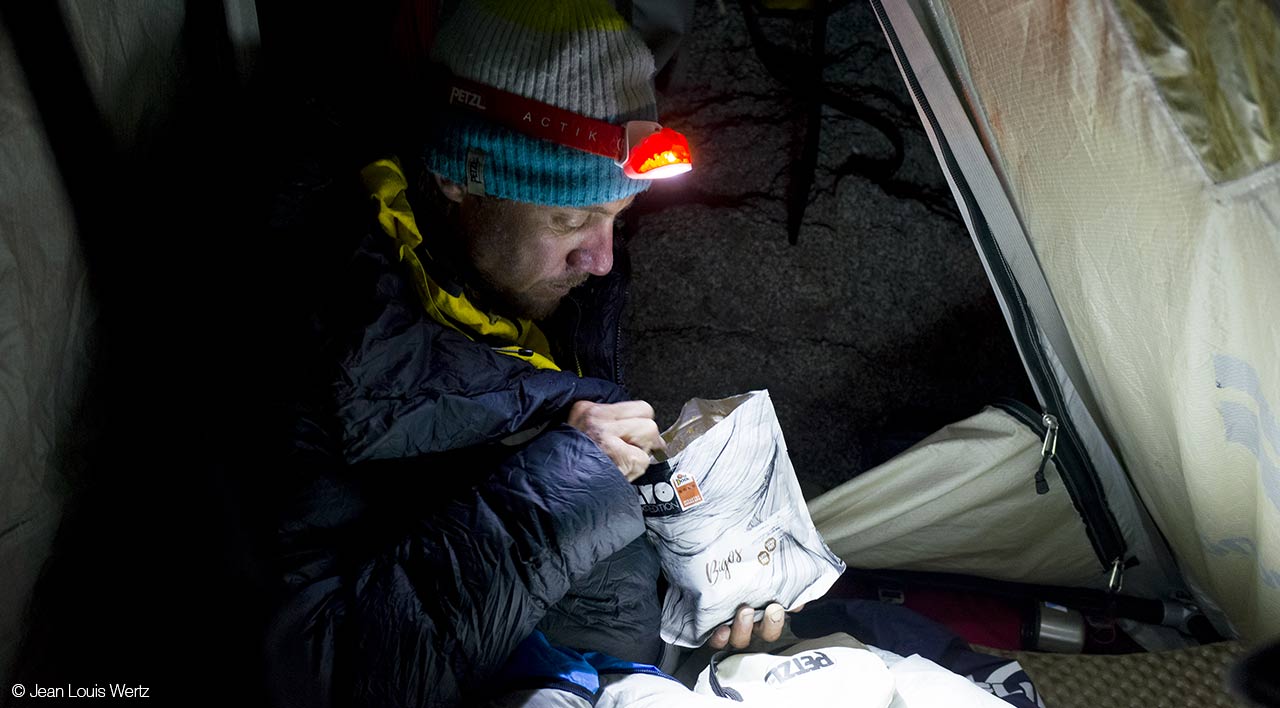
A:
{"x": 438, "y": 509}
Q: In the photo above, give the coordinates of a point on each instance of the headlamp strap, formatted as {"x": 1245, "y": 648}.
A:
{"x": 537, "y": 119}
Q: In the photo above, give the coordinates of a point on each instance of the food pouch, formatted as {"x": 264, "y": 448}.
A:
{"x": 727, "y": 517}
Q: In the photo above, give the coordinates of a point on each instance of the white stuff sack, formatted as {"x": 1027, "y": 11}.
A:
{"x": 727, "y": 517}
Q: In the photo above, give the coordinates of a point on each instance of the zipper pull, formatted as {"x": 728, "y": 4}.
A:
{"x": 1047, "y": 451}
{"x": 1116, "y": 580}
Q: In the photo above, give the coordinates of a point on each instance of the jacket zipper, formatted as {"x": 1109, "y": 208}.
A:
{"x": 1082, "y": 482}
{"x": 573, "y": 340}
{"x": 617, "y": 340}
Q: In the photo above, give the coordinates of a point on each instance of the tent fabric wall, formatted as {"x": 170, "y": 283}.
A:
{"x": 131, "y": 55}
{"x": 45, "y": 319}
{"x": 962, "y": 500}
{"x": 47, "y": 313}
{"x": 1166, "y": 279}
{"x": 921, "y": 48}
{"x": 1217, "y": 66}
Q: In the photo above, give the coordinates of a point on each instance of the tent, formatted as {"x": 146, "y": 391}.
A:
{"x": 119, "y": 137}
{"x": 1121, "y": 196}
{"x": 1116, "y": 164}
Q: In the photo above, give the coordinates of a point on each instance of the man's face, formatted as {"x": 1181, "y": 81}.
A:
{"x": 531, "y": 256}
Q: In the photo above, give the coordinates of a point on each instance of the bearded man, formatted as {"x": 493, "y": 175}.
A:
{"x": 461, "y": 489}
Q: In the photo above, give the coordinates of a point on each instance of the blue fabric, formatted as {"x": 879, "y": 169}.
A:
{"x": 526, "y": 169}
{"x": 606, "y": 664}
{"x": 537, "y": 663}
{"x": 904, "y": 632}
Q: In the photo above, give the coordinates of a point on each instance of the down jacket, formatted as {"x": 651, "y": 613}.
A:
{"x": 438, "y": 509}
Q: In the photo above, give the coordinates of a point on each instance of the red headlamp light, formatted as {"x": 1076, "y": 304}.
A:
{"x": 654, "y": 152}
{"x": 643, "y": 149}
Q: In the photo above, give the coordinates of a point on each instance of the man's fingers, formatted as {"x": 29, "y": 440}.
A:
{"x": 631, "y": 460}
{"x": 740, "y": 632}
{"x": 583, "y": 414}
{"x": 623, "y": 409}
{"x": 624, "y": 431}
{"x": 770, "y": 628}
{"x": 637, "y": 463}
{"x": 629, "y": 420}
{"x": 641, "y": 432}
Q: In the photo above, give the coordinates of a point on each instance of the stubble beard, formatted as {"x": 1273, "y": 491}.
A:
{"x": 524, "y": 305}
{"x": 538, "y": 303}
{"x": 492, "y": 242}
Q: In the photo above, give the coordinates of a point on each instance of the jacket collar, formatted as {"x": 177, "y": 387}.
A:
{"x": 450, "y": 307}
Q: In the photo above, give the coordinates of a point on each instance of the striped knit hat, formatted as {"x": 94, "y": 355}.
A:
{"x": 578, "y": 55}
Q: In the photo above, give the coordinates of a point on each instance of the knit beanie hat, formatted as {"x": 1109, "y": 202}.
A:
{"x": 578, "y": 55}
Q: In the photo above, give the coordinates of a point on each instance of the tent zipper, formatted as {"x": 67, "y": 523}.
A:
{"x": 1068, "y": 464}
{"x": 1046, "y": 428}
{"x": 1047, "y": 452}
{"x": 1083, "y": 485}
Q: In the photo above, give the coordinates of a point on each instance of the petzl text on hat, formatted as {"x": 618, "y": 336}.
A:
{"x": 577, "y": 55}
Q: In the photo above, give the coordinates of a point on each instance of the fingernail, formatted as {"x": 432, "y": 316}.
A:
{"x": 722, "y": 635}
{"x": 746, "y": 612}
{"x": 776, "y": 613}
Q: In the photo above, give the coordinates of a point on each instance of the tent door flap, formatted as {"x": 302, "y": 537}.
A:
{"x": 1084, "y": 486}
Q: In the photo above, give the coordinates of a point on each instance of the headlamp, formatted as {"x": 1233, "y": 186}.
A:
{"x": 654, "y": 152}
{"x": 643, "y": 149}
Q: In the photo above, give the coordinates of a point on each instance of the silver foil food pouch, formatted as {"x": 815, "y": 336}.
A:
{"x": 727, "y": 517}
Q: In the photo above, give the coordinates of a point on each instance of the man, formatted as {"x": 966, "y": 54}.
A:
{"x": 462, "y": 488}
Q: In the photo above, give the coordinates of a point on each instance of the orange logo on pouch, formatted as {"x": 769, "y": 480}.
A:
{"x": 686, "y": 490}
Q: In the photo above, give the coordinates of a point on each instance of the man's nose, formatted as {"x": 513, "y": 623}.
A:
{"x": 595, "y": 254}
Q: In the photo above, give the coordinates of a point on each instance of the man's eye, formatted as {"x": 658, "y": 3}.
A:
{"x": 566, "y": 224}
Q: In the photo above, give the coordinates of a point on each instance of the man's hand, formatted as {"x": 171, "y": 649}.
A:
{"x": 738, "y": 634}
{"x": 624, "y": 431}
